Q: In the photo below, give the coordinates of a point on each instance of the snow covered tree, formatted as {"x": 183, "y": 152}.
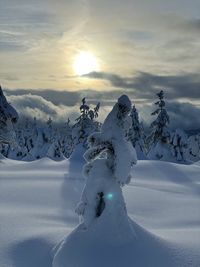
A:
{"x": 6, "y": 110}
{"x": 21, "y": 150}
{"x": 46, "y": 138}
{"x": 159, "y": 126}
{"x": 102, "y": 209}
{"x": 136, "y": 134}
{"x": 66, "y": 139}
{"x": 85, "y": 123}
{"x": 84, "y": 126}
{"x": 7, "y": 138}
{"x": 193, "y": 151}
{"x": 179, "y": 144}
{"x": 160, "y": 136}
{"x": 49, "y": 123}
{"x": 54, "y": 143}
{"x": 111, "y": 153}
{"x": 30, "y": 134}
{"x": 54, "y": 151}
{"x": 8, "y": 116}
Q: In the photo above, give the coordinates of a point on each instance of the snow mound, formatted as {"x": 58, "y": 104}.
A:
{"x": 108, "y": 246}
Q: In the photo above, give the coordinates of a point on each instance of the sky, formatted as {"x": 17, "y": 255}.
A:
{"x": 141, "y": 47}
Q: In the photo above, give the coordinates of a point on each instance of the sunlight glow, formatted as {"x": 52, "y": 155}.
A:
{"x": 85, "y": 63}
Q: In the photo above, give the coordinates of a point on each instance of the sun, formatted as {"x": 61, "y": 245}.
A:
{"x": 84, "y": 63}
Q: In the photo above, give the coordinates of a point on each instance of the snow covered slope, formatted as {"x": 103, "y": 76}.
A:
{"x": 37, "y": 201}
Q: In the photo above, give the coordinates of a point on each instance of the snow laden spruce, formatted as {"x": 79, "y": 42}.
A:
{"x": 136, "y": 134}
{"x": 179, "y": 145}
{"x": 103, "y": 216}
{"x": 159, "y": 138}
{"x": 85, "y": 125}
{"x": 109, "y": 160}
{"x": 8, "y": 116}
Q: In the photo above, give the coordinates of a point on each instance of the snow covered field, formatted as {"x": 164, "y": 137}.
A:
{"x": 37, "y": 202}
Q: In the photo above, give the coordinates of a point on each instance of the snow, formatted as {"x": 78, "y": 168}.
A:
{"x": 162, "y": 199}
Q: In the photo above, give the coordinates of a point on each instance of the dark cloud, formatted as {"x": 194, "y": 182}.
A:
{"x": 114, "y": 79}
{"x": 192, "y": 25}
{"x": 144, "y": 85}
{"x": 184, "y": 115}
{"x": 70, "y": 98}
{"x": 178, "y": 86}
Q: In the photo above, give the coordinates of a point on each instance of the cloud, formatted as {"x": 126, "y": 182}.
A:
{"x": 192, "y": 26}
{"x": 57, "y": 97}
{"x": 146, "y": 84}
{"x": 114, "y": 79}
{"x": 59, "y": 105}
{"x": 31, "y": 106}
{"x": 6, "y": 46}
{"x": 32, "y": 22}
{"x": 182, "y": 115}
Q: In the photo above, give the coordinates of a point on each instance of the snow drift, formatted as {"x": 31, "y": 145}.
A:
{"x": 163, "y": 198}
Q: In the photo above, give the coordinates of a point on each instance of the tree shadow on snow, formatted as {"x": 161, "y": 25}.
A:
{"x": 32, "y": 253}
{"x": 71, "y": 189}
